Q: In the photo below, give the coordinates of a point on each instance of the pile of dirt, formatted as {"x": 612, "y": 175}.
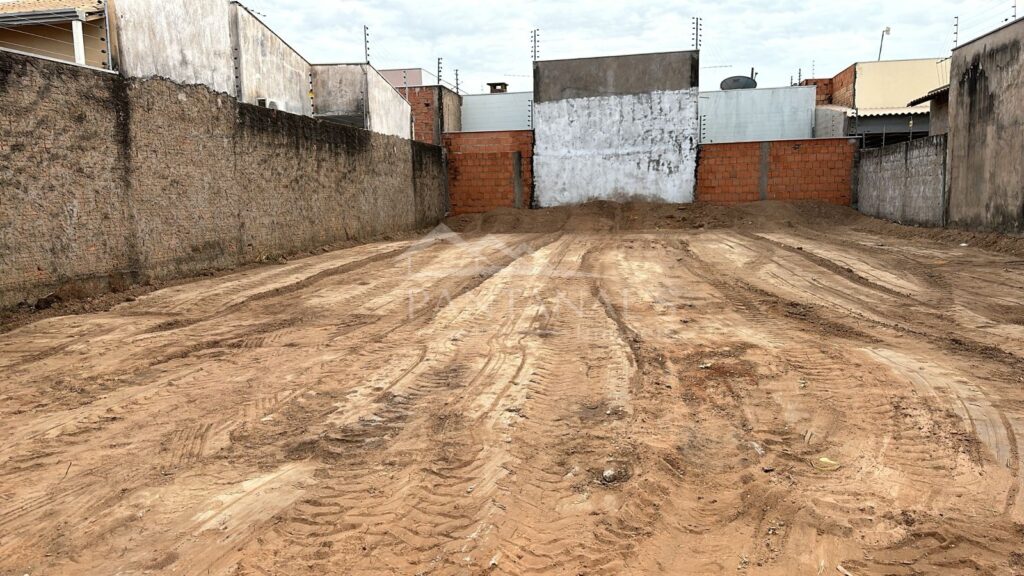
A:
{"x": 604, "y": 216}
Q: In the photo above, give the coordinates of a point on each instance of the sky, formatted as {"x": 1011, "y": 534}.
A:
{"x": 491, "y": 41}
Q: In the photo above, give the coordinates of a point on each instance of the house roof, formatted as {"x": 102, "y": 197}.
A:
{"x": 27, "y": 12}
{"x": 938, "y": 92}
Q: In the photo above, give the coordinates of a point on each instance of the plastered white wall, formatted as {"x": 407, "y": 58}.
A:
{"x": 187, "y": 42}
{"x": 269, "y": 68}
{"x": 389, "y": 112}
{"x": 640, "y": 146}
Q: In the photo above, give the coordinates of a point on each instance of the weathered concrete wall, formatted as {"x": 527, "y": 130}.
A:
{"x": 389, "y": 113}
{"x": 339, "y": 91}
{"x": 105, "y": 181}
{"x": 187, "y": 42}
{"x": 904, "y": 182}
{"x": 830, "y": 122}
{"x": 986, "y": 132}
{"x": 451, "y": 111}
{"x": 269, "y": 68}
{"x": 616, "y": 128}
{"x": 757, "y": 115}
{"x": 615, "y": 76}
{"x": 491, "y": 112}
{"x": 938, "y": 118}
{"x": 357, "y": 95}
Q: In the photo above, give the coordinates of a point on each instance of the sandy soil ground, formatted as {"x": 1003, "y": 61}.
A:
{"x": 769, "y": 390}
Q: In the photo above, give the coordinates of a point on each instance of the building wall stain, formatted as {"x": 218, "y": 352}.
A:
{"x": 986, "y": 112}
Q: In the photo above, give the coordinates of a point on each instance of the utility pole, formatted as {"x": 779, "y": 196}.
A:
{"x": 698, "y": 31}
{"x": 535, "y": 42}
{"x": 956, "y": 32}
{"x": 885, "y": 33}
{"x": 457, "y": 81}
{"x": 439, "y": 60}
{"x": 366, "y": 43}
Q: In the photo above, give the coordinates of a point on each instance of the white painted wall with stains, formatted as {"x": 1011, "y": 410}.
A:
{"x": 268, "y": 68}
{"x": 193, "y": 43}
{"x": 635, "y": 146}
{"x": 187, "y": 42}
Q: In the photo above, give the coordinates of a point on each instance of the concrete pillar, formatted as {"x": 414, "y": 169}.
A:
{"x": 79, "y": 40}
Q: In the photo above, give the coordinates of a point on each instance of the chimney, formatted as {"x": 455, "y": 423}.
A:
{"x": 498, "y": 87}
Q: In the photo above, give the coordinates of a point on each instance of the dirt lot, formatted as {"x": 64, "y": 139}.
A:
{"x": 611, "y": 389}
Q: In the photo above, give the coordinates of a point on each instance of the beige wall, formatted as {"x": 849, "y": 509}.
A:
{"x": 894, "y": 83}
{"x": 56, "y": 41}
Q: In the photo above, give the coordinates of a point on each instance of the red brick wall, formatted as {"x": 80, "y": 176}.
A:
{"x": 423, "y": 101}
{"x": 729, "y": 173}
{"x": 819, "y": 169}
{"x": 480, "y": 176}
{"x": 843, "y": 87}
{"x": 824, "y": 87}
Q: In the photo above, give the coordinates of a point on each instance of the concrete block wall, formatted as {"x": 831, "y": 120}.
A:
{"x": 905, "y": 183}
{"x": 106, "y": 182}
{"x": 821, "y": 169}
{"x": 481, "y": 170}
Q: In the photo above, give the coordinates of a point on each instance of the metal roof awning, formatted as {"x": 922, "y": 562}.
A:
{"x": 29, "y": 12}
{"x": 871, "y": 112}
{"x": 930, "y": 96}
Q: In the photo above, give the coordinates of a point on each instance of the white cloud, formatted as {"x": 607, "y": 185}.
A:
{"x": 490, "y": 41}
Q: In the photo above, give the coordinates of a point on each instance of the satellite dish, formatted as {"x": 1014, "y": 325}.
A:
{"x": 739, "y": 83}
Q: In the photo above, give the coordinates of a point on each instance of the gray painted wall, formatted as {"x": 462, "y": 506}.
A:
{"x": 188, "y": 42}
{"x": 616, "y": 128}
{"x": 615, "y": 75}
{"x": 758, "y": 115}
{"x": 269, "y": 68}
{"x": 830, "y": 122}
{"x": 905, "y": 182}
{"x": 494, "y": 112}
{"x": 986, "y": 141}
